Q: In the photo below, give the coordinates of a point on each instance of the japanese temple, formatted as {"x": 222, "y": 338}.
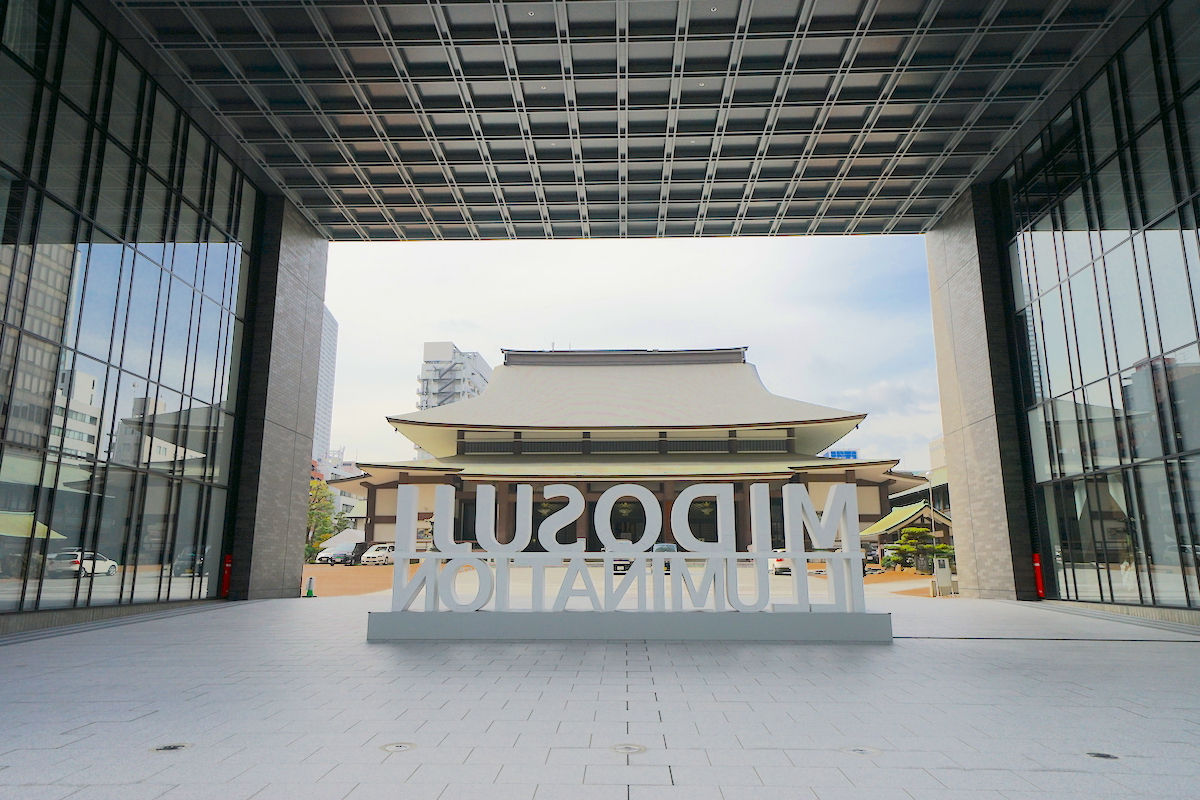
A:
{"x": 664, "y": 419}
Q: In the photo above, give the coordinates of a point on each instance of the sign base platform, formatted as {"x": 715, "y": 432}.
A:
{"x": 765, "y": 626}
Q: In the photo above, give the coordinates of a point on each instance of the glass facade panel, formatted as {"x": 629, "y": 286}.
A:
{"x": 120, "y": 238}
{"x": 1116, "y": 453}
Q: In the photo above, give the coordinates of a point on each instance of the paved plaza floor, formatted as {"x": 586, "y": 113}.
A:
{"x": 284, "y": 699}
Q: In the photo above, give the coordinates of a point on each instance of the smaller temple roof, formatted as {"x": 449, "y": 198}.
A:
{"x": 899, "y": 518}
{"x": 603, "y": 468}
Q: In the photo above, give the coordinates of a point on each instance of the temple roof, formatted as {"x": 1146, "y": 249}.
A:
{"x": 628, "y": 390}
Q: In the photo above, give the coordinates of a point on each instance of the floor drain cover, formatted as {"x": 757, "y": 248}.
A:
{"x": 166, "y": 748}
{"x": 1102, "y": 755}
{"x": 397, "y": 747}
{"x": 860, "y": 751}
{"x": 627, "y": 749}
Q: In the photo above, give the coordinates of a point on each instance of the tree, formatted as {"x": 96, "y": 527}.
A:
{"x": 913, "y": 543}
{"x": 321, "y": 523}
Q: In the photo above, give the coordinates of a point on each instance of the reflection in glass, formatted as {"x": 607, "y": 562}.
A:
{"x": 1172, "y": 293}
{"x": 1139, "y": 398}
{"x": 116, "y": 393}
{"x": 1157, "y": 528}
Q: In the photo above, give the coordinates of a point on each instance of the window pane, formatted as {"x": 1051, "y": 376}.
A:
{"x": 1140, "y": 89}
{"x": 1075, "y": 231}
{"x": 79, "y": 60}
{"x": 1138, "y": 398}
{"x": 16, "y": 105}
{"x": 114, "y": 190}
{"x": 1100, "y": 120}
{"x": 1125, "y": 303}
{"x": 99, "y": 289}
{"x": 142, "y": 316}
{"x": 20, "y": 555}
{"x": 1154, "y": 172}
{"x": 1185, "y": 33}
{"x": 1066, "y": 433}
{"x": 1156, "y": 524}
{"x": 1110, "y": 198}
{"x": 1182, "y": 369}
{"x": 1189, "y": 528}
{"x": 1172, "y": 293}
{"x": 1079, "y": 549}
{"x": 1058, "y": 367}
{"x": 1117, "y": 553}
{"x": 123, "y": 116}
{"x": 1089, "y": 339}
{"x": 1104, "y": 445}
{"x": 1038, "y": 433}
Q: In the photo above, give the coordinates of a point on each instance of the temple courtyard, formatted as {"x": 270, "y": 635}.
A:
{"x": 975, "y": 700}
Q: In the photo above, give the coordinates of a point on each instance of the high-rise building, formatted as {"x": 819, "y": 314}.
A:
{"x": 326, "y": 369}
{"x": 171, "y": 174}
{"x": 449, "y": 375}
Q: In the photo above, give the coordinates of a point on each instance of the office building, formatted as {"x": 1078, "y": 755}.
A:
{"x": 449, "y": 375}
{"x": 171, "y": 174}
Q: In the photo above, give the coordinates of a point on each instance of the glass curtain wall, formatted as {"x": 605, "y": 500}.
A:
{"x": 1105, "y": 271}
{"x": 126, "y": 239}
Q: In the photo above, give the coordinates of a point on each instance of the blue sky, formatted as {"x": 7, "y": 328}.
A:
{"x": 842, "y": 321}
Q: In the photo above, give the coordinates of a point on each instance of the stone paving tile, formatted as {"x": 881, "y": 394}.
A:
{"x": 552, "y": 791}
{"x": 293, "y": 791}
{"x": 36, "y": 792}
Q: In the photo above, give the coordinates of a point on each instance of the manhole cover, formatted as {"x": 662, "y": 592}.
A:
{"x": 860, "y": 751}
{"x": 397, "y": 747}
{"x": 627, "y": 748}
{"x": 1102, "y": 755}
{"x": 166, "y": 748}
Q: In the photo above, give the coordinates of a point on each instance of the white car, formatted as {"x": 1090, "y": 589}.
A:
{"x": 378, "y": 554}
{"x": 80, "y": 563}
{"x": 781, "y": 566}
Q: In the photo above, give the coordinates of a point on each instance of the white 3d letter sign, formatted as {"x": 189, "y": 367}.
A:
{"x": 700, "y": 575}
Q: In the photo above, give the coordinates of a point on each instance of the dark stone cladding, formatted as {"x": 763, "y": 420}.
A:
{"x": 281, "y": 363}
{"x": 979, "y": 400}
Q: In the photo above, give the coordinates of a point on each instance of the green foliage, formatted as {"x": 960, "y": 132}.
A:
{"x": 917, "y": 545}
{"x": 891, "y": 561}
{"x": 322, "y": 522}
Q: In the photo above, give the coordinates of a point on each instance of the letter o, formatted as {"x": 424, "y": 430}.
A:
{"x": 446, "y": 584}
{"x": 653, "y": 510}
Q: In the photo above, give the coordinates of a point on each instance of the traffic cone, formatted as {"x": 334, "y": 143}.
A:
{"x": 310, "y": 592}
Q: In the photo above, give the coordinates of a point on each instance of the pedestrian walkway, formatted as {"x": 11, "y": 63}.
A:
{"x": 285, "y": 700}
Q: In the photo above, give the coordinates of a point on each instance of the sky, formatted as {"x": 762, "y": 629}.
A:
{"x": 841, "y": 321}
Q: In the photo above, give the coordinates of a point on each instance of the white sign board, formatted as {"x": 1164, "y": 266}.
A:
{"x": 655, "y": 581}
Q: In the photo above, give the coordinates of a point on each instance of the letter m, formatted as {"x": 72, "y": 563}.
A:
{"x": 841, "y": 516}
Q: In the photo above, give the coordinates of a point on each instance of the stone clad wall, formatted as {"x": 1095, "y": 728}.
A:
{"x": 281, "y": 387}
{"x": 979, "y": 406}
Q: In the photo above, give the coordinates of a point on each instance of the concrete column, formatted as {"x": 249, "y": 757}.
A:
{"x": 980, "y": 411}
{"x": 279, "y": 371}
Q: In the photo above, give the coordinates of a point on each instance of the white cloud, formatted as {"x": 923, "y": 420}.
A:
{"x": 842, "y": 321}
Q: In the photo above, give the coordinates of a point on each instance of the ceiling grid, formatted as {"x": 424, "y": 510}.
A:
{"x": 478, "y": 119}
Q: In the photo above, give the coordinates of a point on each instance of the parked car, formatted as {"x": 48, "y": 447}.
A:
{"x": 665, "y": 547}
{"x": 621, "y": 564}
{"x": 335, "y": 557}
{"x": 378, "y": 554}
{"x": 80, "y": 563}
{"x": 781, "y": 566}
{"x": 189, "y": 563}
